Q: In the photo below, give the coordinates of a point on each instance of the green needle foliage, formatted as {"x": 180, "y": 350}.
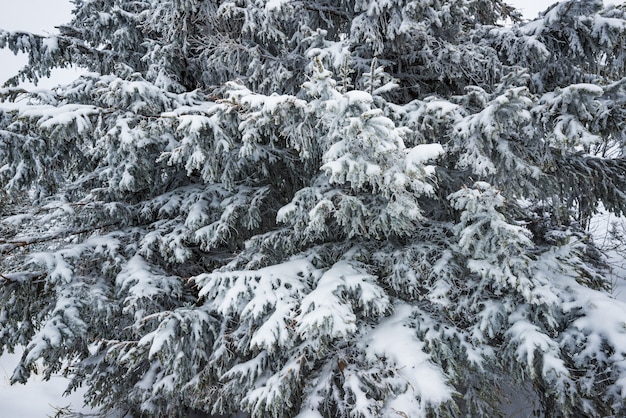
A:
{"x": 286, "y": 208}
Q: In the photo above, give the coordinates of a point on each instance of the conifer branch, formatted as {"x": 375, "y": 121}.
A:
{"x": 7, "y": 246}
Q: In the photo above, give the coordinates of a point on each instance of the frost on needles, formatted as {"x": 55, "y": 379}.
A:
{"x": 317, "y": 209}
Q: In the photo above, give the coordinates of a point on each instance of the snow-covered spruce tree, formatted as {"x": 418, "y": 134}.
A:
{"x": 317, "y": 209}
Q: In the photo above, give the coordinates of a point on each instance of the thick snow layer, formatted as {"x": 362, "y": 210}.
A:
{"x": 51, "y": 43}
{"x": 274, "y": 4}
{"x": 424, "y": 153}
{"x": 395, "y": 341}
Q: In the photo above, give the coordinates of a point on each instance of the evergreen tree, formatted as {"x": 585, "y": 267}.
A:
{"x": 317, "y": 209}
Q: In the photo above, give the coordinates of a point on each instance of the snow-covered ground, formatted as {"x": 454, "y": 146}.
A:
{"x": 36, "y": 399}
{"x": 601, "y": 227}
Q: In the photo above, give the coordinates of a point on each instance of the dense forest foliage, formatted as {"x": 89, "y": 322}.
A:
{"x": 351, "y": 208}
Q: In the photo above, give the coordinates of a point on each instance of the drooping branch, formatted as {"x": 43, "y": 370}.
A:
{"x": 8, "y": 246}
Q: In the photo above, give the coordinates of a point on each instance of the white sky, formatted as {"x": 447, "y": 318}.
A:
{"x": 37, "y": 16}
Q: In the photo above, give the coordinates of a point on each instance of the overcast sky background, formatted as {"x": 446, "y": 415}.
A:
{"x": 41, "y": 16}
